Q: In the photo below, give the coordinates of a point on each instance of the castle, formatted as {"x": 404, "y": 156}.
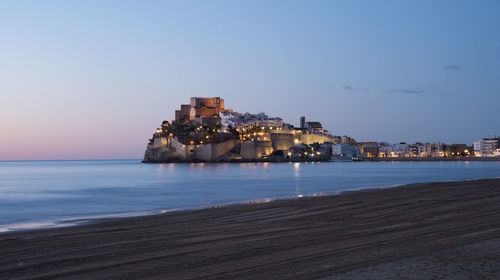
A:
{"x": 204, "y": 131}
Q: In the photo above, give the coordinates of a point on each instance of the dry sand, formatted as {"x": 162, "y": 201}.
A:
{"x": 474, "y": 261}
{"x": 384, "y": 234}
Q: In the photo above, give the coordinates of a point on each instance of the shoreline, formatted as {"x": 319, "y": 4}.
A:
{"x": 273, "y": 160}
{"x": 304, "y": 238}
{"x": 101, "y": 218}
{"x": 382, "y": 159}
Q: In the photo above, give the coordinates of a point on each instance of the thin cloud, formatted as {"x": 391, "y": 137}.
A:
{"x": 410, "y": 91}
{"x": 354, "y": 88}
{"x": 414, "y": 90}
{"x": 452, "y": 67}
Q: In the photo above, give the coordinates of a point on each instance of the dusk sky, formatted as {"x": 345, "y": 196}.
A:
{"x": 94, "y": 79}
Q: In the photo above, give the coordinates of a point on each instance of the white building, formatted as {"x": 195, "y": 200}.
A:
{"x": 345, "y": 150}
{"x": 386, "y": 150}
{"x": 486, "y": 147}
{"x": 401, "y": 150}
{"x": 437, "y": 149}
{"x": 227, "y": 119}
{"x": 247, "y": 120}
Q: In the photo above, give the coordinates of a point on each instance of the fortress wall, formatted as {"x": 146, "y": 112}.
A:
{"x": 285, "y": 131}
{"x": 263, "y": 148}
{"x": 190, "y": 152}
{"x": 222, "y": 148}
{"x": 211, "y": 152}
{"x": 282, "y": 141}
{"x": 204, "y": 152}
{"x": 160, "y": 142}
{"x": 310, "y": 138}
{"x": 247, "y": 150}
{"x": 179, "y": 148}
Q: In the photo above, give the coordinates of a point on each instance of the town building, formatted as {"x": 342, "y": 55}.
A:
{"x": 486, "y": 147}
{"x": 345, "y": 151}
{"x": 347, "y": 140}
{"x": 369, "y": 149}
{"x": 438, "y": 149}
{"x": 314, "y": 126}
{"x": 247, "y": 120}
{"x": 402, "y": 149}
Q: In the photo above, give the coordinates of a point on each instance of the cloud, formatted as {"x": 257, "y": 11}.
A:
{"x": 414, "y": 90}
{"x": 431, "y": 90}
{"x": 452, "y": 67}
{"x": 354, "y": 88}
{"x": 410, "y": 91}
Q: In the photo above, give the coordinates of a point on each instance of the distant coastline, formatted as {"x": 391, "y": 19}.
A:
{"x": 206, "y": 131}
{"x": 433, "y": 159}
{"x": 380, "y": 159}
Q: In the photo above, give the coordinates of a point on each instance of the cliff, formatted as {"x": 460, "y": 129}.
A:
{"x": 161, "y": 155}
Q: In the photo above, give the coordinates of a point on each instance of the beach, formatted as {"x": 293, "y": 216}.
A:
{"x": 380, "y": 233}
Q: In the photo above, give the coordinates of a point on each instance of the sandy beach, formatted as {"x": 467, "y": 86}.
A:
{"x": 420, "y": 231}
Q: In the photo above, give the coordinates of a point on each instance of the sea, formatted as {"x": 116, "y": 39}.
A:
{"x": 42, "y": 194}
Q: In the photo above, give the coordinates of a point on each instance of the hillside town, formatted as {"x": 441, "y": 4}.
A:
{"x": 205, "y": 131}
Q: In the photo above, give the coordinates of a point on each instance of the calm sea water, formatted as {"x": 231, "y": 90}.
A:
{"x": 54, "y": 193}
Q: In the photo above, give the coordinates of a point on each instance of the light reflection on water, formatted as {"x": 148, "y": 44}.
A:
{"x": 39, "y": 192}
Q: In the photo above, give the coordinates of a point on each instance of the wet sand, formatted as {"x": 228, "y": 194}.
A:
{"x": 335, "y": 237}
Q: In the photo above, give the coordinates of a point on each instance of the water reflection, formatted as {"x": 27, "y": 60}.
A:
{"x": 296, "y": 174}
{"x": 296, "y": 169}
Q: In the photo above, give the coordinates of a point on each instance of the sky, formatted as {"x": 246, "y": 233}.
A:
{"x": 94, "y": 79}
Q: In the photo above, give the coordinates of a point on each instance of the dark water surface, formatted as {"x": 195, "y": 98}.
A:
{"x": 51, "y": 193}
